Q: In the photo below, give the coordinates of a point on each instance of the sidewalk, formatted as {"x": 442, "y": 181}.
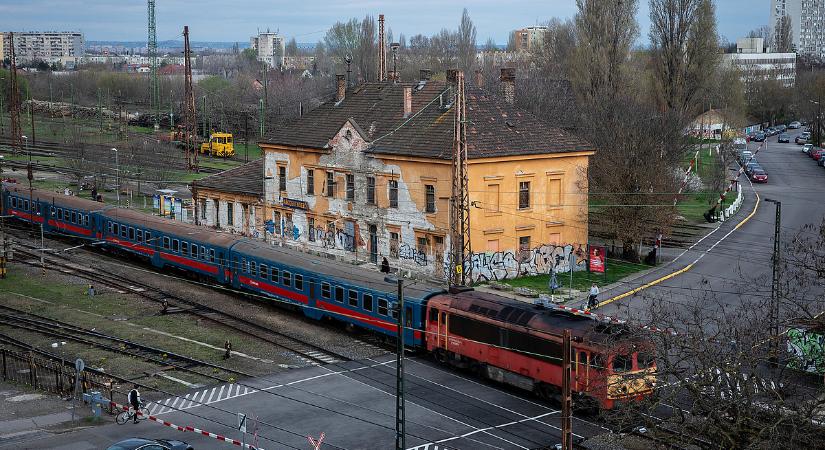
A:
{"x": 33, "y": 424}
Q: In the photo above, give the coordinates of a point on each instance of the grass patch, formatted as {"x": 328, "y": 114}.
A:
{"x": 616, "y": 270}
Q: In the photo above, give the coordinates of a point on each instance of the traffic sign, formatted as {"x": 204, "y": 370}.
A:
{"x": 242, "y": 422}
{"x": 79, "y": 365}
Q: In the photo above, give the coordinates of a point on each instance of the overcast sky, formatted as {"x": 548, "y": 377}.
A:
{"x": 307, "y": 20}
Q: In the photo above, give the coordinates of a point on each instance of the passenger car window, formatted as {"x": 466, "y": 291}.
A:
{"x": 140, "y": 235}
{"x": 287, "y": 279}
{"x": 184, "y": 247}
{"x": 339, "y": 294}
{"x": 175, "y": 245}
{"x": 148, "y": 236}
{"x": 326, "y": 290}
{"x": 382, "y": 306}
{"x": 264, "y": 271}
{"x": 131, "y": 234}
{"x": 368, "y": 302}
{"x": 299, "y": 282}
{"x": 433, "y": 315}
{"x": 165, "y": 242}
{"x": 275, "y": 274}
{"x": 253, "y": 267}
{"x": 353, "y": 298}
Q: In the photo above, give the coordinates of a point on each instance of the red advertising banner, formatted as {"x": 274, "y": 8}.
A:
{"x": 596, "y": 258}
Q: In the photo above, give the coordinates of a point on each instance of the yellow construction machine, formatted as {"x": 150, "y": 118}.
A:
{"x": 220, "y": 144}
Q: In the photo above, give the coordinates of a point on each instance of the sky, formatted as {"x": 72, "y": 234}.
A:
{"x": 308, "y": 20}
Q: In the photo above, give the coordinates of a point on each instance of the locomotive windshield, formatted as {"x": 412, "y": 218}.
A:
{"x": 622, "y": 363}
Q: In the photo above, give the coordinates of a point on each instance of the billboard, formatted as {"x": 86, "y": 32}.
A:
{"x": 596, "y": 258}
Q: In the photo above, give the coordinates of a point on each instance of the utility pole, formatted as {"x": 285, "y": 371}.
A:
{"x": 400, "y": 419}
{"x": 154, "y": 85}
{"x": 382, "y": 52}
{"x": 460, "y": 273}
{"x": 261, "y": 118}
{"x": 567, "y": 397}
{"x": 189, "y": 108}
{"x": 14, "y": 101}
{"x": 31, "y": 118}
{"x": 774, "y": 313}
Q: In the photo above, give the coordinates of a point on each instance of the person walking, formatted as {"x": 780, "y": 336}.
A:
{"x": 594, "y": 293}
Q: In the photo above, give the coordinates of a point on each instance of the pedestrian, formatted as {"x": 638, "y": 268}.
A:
{"x": 165, "y": 305}
{"x": 385, "y": 265}
{"x": 94, "y": 193}
{"x": 91, "y": 291}
{"x": 594, "y": 292}
{"x": 228, "y": 346}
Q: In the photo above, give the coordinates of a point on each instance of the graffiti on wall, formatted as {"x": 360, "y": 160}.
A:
{"x": 807, "y": 349}
{"x": 504, "y": 265}
{"x": 409, "y": 252}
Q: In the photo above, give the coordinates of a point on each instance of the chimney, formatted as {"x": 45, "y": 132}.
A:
{"x": 342, "y": 88}
{"x": 508, "y": 84}
{"x": 407, "y": 101}
{"x": 479, "y": 79}
{"x": 425, "y": 74}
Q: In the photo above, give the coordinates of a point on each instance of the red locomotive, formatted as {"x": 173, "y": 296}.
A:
{"x": 515, "y": 343}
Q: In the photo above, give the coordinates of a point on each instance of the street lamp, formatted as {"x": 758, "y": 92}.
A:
{"x": 818, "y": 137}
{"x": 400, "y": 435}
{"x": 61, "y": 345}
{"x": 774, "y": 315}
{"x": 117, "y": 177}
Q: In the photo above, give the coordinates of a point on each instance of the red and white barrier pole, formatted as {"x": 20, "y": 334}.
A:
{"x": 191, "y": 429}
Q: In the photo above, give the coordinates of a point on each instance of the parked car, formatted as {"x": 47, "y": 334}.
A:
{"x": 821, "y": 161}
{"x": 817, "y": 154}
{"x": 807, "y": 148}
{"x": 802, "y": 139}
{"x": 147, "y": 444}
{"x": 745, "y": 156}
{"x": 782, "y": 128}
{"x": 759, "y": 176}
{"x": 751, "y": 166}
{"x": 783, "y": 138}
{"x": 759, "y": 137}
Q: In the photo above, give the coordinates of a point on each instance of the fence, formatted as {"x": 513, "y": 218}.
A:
{"x": 50, "y": 376}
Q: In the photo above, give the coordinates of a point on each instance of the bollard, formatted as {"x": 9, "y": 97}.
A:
{"x": 96, "y": 400}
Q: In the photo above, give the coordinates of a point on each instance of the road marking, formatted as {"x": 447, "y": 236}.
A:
{"x": 211, "y": 394}
{"x": 494, "y": 427}
{"x": 689, "y": 266}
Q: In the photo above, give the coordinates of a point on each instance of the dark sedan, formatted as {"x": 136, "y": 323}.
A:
{"x": 759, "y": 137}
{"x": 759, "y": 176}
{"x": 150, "y": 444}
{"x": 783, "y": 138}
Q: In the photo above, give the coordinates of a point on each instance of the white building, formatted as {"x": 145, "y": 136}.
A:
{"x": 752, "y": 59}
{"x": 270, "y": 48}
{"x": 807, "y": 17}
{"x": 65, "y": 47}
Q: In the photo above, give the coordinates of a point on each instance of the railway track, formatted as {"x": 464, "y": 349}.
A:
{"x": 43, "y": 325}
{"x": 310, "y": 353}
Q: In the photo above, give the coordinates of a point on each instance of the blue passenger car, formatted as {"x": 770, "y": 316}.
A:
{"x": 323, "y": 288}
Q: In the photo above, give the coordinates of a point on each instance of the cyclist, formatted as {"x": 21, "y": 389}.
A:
{"x": 134, "y": 401}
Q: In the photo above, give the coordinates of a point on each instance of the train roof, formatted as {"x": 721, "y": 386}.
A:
{"x": 168, "y": 226}
{"x": 549, "y": 320}
{"x": 344, "y": 272}
{"x": 57, "y": 198}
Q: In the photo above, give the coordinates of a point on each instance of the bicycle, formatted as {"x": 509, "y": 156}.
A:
{"x": 129, "y": 414}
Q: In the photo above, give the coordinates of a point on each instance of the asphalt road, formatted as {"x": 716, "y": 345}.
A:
{"x": 734, "y": 260}
{"x": 353, "y": 404}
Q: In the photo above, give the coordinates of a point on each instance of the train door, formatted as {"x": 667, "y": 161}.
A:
{"x": 582, "y": 371}
{"x": 443, "y": 323}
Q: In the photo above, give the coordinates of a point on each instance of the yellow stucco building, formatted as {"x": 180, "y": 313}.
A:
{"x": 367, "y": 176}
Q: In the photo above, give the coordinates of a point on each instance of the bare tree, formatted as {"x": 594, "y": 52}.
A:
{"x": 466, "y": 42}
{"x": 605, "y": 32}
{"x": 685, "y": 49}
{"x": 783, "y": 35}
{"x": 366, "y": 54}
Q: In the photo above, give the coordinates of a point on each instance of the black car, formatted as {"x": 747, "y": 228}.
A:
{"x": 752, "y": 166}
{"x": 759, "y": 137}
{"x": 783, "y": 138}
{"x": 150, "y": 444}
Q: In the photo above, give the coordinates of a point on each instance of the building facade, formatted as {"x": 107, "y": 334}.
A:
{"x": 529, "y": 38}
{"x": 65, "y": 47}
{"x": 755, "y": 62}
{"x": 269, "y": 47}
{"x": 807, "y": 16}
{"x": 231, "y": 200}
{"x": 369, "y": 176}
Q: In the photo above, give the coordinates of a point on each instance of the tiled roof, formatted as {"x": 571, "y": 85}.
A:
{"x": 495, "y": 127}
{"x": 246, "y": 179}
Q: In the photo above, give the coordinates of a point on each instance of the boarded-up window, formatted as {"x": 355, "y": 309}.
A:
{"x": 493, "y": 202}
{"x": 554, "y": 195}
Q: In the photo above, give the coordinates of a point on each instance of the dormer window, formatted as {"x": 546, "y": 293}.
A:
{"x": 348, "y": 135}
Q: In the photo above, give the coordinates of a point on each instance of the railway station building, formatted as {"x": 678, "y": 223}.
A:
{"x": 367, "y": 176}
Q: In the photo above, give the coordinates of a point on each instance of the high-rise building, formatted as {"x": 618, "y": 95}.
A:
{"x": 270, "y": 48}
{"x": 65, "y": 47}
{"x": 807, "y": 17}
{"x": 529, "y": 38}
